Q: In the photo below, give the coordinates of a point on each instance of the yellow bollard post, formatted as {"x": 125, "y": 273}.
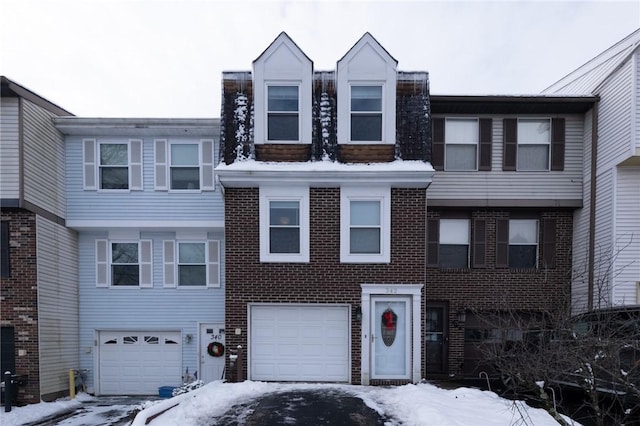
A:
{"x": 72, "y": 384}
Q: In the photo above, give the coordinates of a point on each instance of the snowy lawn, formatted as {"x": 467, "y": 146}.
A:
{"x": 422, "y": 404}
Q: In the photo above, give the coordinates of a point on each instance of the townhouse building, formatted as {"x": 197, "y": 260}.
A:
{"x": 142, "y": 197}
{"x": 39, "y": 270}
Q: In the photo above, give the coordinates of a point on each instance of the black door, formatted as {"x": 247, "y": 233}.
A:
{"x": 436, "y": 338}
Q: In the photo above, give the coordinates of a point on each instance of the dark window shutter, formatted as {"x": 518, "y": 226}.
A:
{"x": 549, "y": 243}
{"x": 433, "y": 239}
{"x": 479, "y": 243}
{"x": 502, "y": 243}
{"x": 486, "y": 135}
{"x": 510, "y": 144}
{"x": 437, "y": 147}
{"x": 557, "y": 143}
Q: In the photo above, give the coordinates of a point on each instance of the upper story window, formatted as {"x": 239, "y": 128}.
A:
{"x": 365, "y": 225}
{"x": 523, "y": 243}
{"x": 454, "y": 243}
{"x": 284, "y": 224}
{"x": 366, "y": 83}
{"x": 191, "y": 264}
{"x": 282, "y": 94}
{"x": 112, "y": 165}
{"x": 124, "y": 263}
{"x": 366, "y": 113}
{"x": 184, "y": 165}
{"x": 461, "y": 144}
{"x": 283, "y": 109}
{"x": 534, "y": 144}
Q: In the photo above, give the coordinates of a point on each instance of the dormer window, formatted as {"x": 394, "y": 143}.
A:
{"x": 366, "y": 113}
{"x": 283, "y": 111}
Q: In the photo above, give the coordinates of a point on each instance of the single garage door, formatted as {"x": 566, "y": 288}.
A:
{"x": 138, "y": 362}
{"x": 299, "y": 343}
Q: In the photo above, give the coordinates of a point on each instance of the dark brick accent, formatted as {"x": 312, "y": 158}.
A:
{"x": 283, "y": 152}
{"x": 489, "y": 288}
{"x": 366, "y": 153}
{"x": 324, "y": 279}
{"x": 19, "y": 298}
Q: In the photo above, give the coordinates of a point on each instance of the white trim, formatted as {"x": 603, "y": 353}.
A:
{"x": 413, "y": 290}
{"x": 145, "y": 224}
{"x": 299, "y": 194}
{"x": 380, "y": 194}
{"x": 285, "y": 83}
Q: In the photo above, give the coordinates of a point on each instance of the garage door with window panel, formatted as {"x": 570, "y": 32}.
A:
{"x": 299, "y": 343}
{"x": 138, "y": 362}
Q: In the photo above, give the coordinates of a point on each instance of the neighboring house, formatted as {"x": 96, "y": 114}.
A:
{"x": 39, "y": 270}
{"x": 143, "y": 198}
{"x": 324, "y": 177}
{"x": 606, "y": 245}
{"x": 500, "y": 219}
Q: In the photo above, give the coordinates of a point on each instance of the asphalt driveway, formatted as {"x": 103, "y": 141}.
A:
{"x": 301, "y": 408}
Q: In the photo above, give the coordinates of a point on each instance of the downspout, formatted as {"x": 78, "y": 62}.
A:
{"x": 592, "y": 204}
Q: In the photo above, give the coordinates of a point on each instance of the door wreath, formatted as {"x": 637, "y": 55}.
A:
{"x": 215, "y": 349}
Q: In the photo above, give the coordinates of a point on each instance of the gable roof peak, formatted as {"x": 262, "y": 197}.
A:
{"x": 367, "y": 38}
{"x": 283, "y": 37}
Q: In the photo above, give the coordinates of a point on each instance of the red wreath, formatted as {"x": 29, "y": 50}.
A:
{"x": 215, "y": 349}
{"x": 389, "y": 319}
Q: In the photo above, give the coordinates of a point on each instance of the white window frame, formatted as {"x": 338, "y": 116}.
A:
{"x": 171, "y": 263}
{"x": 269, "y": 84}
{"x": 299, "y": 194}
{"x": 104, "y": 264}
{"x": 449, "y": 141}
{"x": 163, "y": 166}
{"x": 537, "y": 242}
{"x": 91, "y": 171}
{"x": 381, "y": 85}
{"x": 383, "y": 196}
{"x": 522, "y": 141}
{"x": 446, "y": 239}
{"x": 170, "y": 165}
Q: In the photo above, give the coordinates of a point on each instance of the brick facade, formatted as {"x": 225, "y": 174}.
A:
{"x": 324, "y": 279}
{"x": 19, "y": 297}
{"x": 491, "y": 288}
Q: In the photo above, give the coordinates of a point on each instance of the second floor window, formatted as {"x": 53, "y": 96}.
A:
{"x": 284, "y": 227}
{"x": 114, "y": 166}
{"x": 366, "y": 113}
{"x": 461, "y": 144}
{"x": 365, "y": 227}
{"x": 192, "y": 265}
{"x": 283, "y": 113}
{"x": 185, "y": 166}
{"x": 125, "y": 267}
{"x": 454, "y": 243}
{"x": 534, "y": 144}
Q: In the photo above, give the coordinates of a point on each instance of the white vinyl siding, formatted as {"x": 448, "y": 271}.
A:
{"x": 504, "y": 188}
{"x": 9, "y": 149}
{"x": 44, "y": 160}
{"x": 603, "y": 250}
{"x": 58, "y": 314}
{"x": 627, "y": 236}
{"x": 614, "y": 121}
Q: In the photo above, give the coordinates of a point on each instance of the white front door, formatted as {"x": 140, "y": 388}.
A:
{"x": 211, "y": 359}
{"x": 390, "y": 337}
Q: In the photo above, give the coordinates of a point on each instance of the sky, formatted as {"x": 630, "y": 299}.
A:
{"x": 165, "y": 58}
{"x": 408, "y": 405}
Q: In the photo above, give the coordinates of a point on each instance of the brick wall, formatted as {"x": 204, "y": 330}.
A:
{"x": 19, "y": 298}
{"x": 324, "y": 279}
{"x": 493, "y": 288}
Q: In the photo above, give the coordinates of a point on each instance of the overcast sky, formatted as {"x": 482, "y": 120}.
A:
{"x": 164, "y": 58}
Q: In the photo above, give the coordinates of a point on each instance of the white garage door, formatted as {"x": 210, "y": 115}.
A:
{"x": 299, "y": 343}
{"x": 138, "y": 362}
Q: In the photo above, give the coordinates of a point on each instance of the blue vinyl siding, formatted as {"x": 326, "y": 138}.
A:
{"x": 148, "y": 204}
{"x": 156, "y": 308}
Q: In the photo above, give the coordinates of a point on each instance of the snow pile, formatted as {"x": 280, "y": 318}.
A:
{"x": 35, "y": 412}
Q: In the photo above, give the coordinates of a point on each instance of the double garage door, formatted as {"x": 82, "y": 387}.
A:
{"x": 299, "y": 343}
{"x": 138, "y": 362}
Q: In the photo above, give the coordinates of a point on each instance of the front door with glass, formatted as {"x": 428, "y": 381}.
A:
{"x": 390, "y": 337}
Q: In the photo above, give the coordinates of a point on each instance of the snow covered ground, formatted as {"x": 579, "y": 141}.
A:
{"x": 422, "y": 404}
